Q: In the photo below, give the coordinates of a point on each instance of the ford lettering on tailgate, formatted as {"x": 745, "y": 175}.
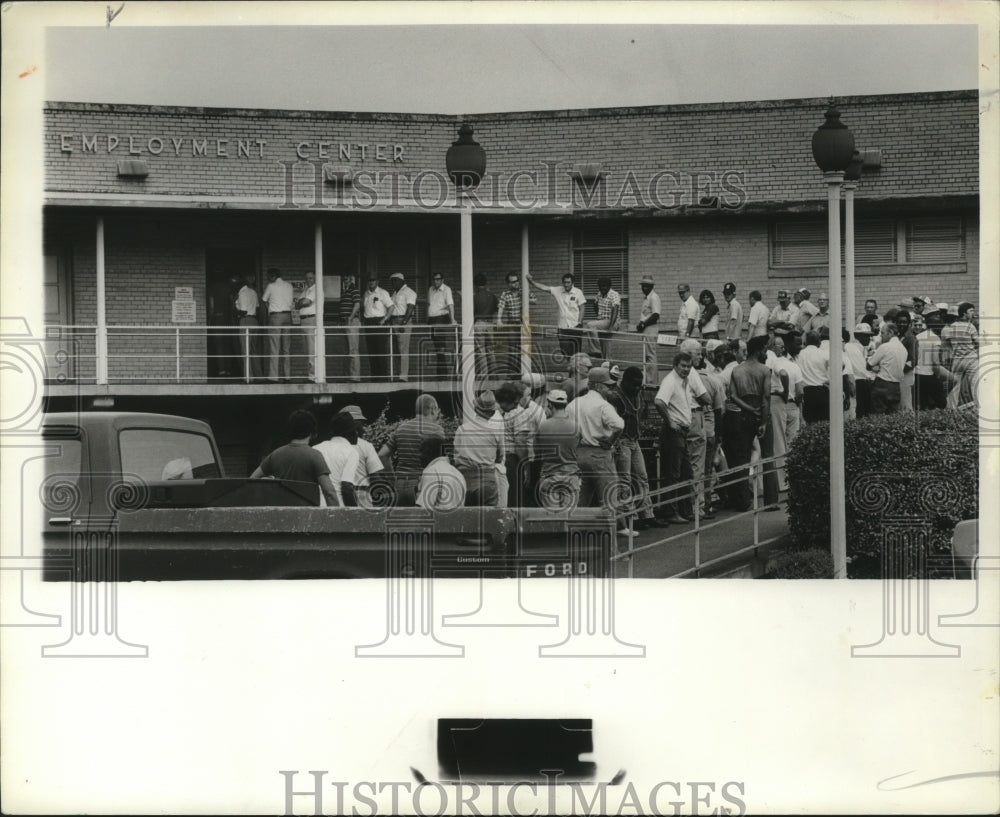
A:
{"x": 555, "y": 569}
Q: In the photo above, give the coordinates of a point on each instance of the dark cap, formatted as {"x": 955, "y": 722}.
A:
{"x": 729, "y": 288}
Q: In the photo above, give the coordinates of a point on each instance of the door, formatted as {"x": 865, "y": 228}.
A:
{"x": 63, "y": 345}
{"x": 225, "y": 272}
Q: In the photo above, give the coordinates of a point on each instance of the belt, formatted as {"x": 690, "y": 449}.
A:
{"x": 700, "y": 408}
{"x": 279, "y": 312}
{"x": 313, "y": 315}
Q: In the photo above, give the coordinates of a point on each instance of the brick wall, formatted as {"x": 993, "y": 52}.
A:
{"x": 929, "y": 144}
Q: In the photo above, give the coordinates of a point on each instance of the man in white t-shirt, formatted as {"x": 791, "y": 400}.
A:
{"x": 341, "y": 456}
{"x": 689, "y": 312}
{"x": 570, "y": 302}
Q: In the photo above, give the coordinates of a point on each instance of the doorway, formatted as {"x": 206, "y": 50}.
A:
{"x": 225, "y": 271}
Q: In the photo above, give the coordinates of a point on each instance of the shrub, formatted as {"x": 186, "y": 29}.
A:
{"x": 893, "y": 469}
{"x": 813, "y": 563}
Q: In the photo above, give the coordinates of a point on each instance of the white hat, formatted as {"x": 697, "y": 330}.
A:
{"x": 557, "y": 397}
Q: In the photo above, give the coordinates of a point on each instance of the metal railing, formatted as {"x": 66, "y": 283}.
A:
{"x": 693, "y": 490}
{"x": 189, "y": 353}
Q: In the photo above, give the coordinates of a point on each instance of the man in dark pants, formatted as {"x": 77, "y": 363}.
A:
{"x": 680, "y": 394}
{"x": 748, "y": 415}
{"x": 376, "y": 307}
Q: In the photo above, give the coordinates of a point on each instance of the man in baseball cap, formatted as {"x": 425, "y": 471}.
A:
{"x": 369, "y": 463}
{"x": 599, "y": 426}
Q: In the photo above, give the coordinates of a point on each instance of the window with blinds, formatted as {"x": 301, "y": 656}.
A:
{"x": 798, "y": 244}
{"x": 598, "y": 252}
{"x": 935, "y": 239}
{"x": 881, "y": 241}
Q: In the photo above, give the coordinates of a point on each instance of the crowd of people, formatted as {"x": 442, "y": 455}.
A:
{"x": 737, "y": 390}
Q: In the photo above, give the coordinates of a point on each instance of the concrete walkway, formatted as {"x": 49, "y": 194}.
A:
{"x": 730, "y": 533}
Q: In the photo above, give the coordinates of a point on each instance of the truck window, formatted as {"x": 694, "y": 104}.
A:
{"x": 63, "y": 467}
{"x": 156, "y": 454}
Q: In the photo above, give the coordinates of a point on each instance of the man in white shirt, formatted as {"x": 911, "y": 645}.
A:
{"x": 930, "y": 373}
{"x": 679, "y": 393}
{"x": 404, "y": 304}
{"x": 782, "y": 319}
{"x": 815, "y": 365}
{"x": 689, "y": 312}
{"x": 649, "y": 317}
{"x": 306, "y": 303}
{"x": 734, "y": 325}
{"x": 570, "y": 303}
{"x": 480, "y": 447}
{"x": 887, "y": 362}
{"x": 341, "y": 456}
{"x": 441, "y": 315}
{"x": 247, "y": 304}
{"x": 441, "y": 486}
{"x": 857, "y": 352}
{"x": 599, "y": 426}
{"x": 786, "y": 395}
{"x": 376, "y": 306}
{"x": 278, "y": 296}
{"x": 757, "y": 319}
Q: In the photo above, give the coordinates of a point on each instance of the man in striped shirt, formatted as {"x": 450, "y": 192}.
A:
{"x": 403, "y": 445}
{"x": 508, "y": 335}
{"x": 598, "y": 333}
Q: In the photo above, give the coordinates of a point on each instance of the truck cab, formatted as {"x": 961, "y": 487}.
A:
{"x": 132, "y": 496}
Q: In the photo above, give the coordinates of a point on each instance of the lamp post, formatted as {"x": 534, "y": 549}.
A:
{"x": 833, "y": 148}
{"x": 851, "y": 177}
{"x": 466, "y": 164}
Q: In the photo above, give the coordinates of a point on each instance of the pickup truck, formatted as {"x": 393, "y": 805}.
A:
{"x": 134, "y": 496}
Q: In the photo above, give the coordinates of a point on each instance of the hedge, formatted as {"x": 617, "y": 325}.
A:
{"x": 813, "y": 563}
{"x": 901, "y": 469}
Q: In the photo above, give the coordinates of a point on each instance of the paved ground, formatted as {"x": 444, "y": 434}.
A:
{"x": 734, "y": 533}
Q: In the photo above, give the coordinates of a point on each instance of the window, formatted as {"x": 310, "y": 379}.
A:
{"x": 924, "y": 240}
{"x": 600, "y": 252}
{"x": 935, "y": 240}
{"x": 155, "y": 454}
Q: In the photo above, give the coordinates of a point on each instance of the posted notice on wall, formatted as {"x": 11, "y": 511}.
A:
{"x": 183, "y": 312}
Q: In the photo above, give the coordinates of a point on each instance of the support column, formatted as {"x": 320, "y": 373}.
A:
{"x": 838, "y": 516}
{"x": 101, "y": 340}
{"x": 468, "y": 347}
{"x": 849, "y": 305}
{"x": 320, "y": 353}
{"x": 525, "y": 293}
